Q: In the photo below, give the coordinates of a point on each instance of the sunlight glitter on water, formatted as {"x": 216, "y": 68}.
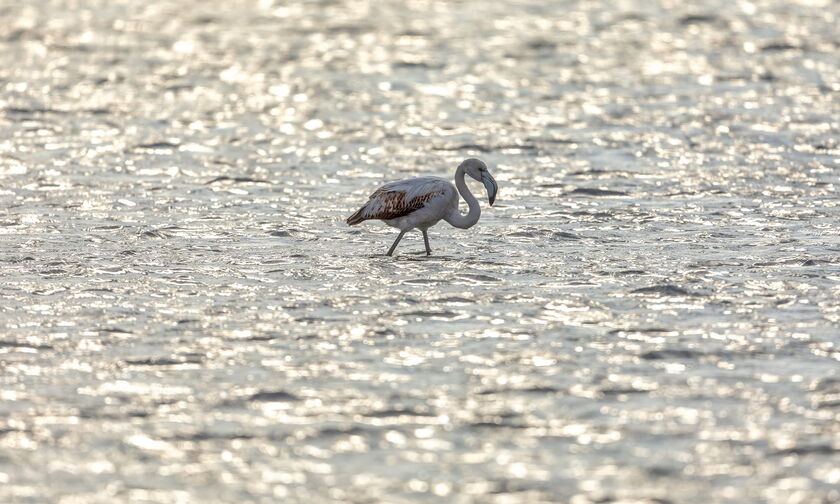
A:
{"x": 648, "y": 312}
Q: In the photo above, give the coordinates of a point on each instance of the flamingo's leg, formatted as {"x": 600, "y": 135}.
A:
{"x": 394, "y": 246}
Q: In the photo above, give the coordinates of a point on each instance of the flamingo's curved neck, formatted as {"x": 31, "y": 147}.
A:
{"x": 455, "y": 218}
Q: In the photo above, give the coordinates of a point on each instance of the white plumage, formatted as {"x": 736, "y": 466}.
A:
{"x": 424, "y": 201}
{"x": 407, "y": 204}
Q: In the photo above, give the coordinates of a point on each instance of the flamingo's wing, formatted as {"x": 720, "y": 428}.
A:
{"x": 398, "y": 199}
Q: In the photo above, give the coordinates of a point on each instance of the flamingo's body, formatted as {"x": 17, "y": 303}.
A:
{"x": 424, "y": 201}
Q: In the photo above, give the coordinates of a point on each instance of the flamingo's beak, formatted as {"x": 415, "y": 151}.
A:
{"x": 491, "y": 186}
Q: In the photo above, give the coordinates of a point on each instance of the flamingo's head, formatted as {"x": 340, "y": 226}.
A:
{"x": 476, "y": 169}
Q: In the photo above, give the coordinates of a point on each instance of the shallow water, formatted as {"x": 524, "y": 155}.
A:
{"x": 649, "y": 313}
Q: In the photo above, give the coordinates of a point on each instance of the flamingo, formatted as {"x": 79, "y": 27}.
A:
{"x": 422, "y": 202}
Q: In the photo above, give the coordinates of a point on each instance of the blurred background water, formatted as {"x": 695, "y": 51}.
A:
{"x": 649, "y": 313}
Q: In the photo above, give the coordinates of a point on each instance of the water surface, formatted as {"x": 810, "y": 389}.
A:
{"x": 649, "y": 313}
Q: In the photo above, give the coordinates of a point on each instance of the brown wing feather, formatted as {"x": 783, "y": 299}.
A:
{"x": 386, "y": 205}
